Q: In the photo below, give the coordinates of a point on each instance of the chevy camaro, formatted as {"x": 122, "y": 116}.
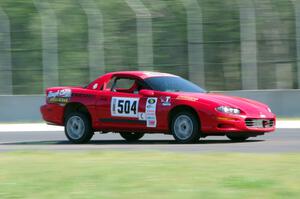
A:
{"x": 133, "y": 103}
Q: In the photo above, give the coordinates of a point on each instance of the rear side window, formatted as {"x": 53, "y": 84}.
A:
{"x": 124, "y": 83}
{"x": 120, "y": 83}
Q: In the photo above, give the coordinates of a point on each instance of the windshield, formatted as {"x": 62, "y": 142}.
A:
{"x": 173, "y": 84}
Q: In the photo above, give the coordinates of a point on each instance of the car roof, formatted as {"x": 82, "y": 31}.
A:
{"x": 141, "y": 74}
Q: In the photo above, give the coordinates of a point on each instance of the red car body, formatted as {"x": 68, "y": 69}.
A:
{"x": 102, "y": 104}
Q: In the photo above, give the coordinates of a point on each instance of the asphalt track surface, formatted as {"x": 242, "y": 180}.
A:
{"x": 280, "y": 141}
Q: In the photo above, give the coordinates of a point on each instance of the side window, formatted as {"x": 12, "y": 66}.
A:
{"x": 123, "y": 83}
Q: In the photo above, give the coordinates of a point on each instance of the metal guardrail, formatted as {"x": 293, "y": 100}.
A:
{"x": 26, "y": 108}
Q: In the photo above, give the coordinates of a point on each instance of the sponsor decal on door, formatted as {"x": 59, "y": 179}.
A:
{"x": 151, "y": 112}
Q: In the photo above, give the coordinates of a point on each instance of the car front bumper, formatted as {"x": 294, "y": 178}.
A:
{"x": 224, "y": 124}
{"x": 52, "y": 113}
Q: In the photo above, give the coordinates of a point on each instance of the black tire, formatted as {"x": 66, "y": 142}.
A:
{"x": 237, "y": 138}
{"x": 84, "y": 128}
{"x": 131, "y": 137}
{"x": 192, "y": 126}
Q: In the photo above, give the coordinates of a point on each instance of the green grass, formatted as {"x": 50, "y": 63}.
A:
{"x": 148, "y": 175}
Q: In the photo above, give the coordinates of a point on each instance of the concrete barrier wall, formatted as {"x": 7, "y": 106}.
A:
{"x": 21, "y": 108}
{"x": 26, "y": 108}
{"x": 285, "y": 103}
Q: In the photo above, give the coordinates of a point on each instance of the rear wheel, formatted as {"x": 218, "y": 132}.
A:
{"x": 185, "y": 127}
{"x": 237, "y": 138}
{"x": 78, "y": 128}
{"x": 131, "y": 137}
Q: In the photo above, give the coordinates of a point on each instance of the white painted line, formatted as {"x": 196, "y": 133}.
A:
{"x": 29, "y": 127}
{"x": 33, "y": 127}
{"x": 288, "y": 124}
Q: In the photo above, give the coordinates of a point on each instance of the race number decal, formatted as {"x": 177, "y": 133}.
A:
{"x": 124, "y": 107}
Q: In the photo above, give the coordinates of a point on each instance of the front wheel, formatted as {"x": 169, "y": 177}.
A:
{"x": 131, "y": 137}
{"x": 78, "y": 128}
{"x": 237, "y": 138}
{"x": 185, "y": 127}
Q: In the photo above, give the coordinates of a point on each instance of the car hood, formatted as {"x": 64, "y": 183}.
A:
{"x": 250, "y": 107}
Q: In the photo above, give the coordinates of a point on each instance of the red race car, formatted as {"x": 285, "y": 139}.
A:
{"x": 133, "y": 103}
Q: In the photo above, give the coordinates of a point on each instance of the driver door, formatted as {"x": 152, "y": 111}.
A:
{"x": 123, "y": 108}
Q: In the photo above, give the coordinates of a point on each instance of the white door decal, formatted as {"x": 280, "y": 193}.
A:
{"x": 124, "y": 107}
{"x": 151, "y": 112}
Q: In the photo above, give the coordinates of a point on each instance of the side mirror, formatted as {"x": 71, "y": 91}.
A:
{"x": 147, "y": 92}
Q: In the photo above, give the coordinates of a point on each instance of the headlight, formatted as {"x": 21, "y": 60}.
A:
{"x": 229, "y": 110}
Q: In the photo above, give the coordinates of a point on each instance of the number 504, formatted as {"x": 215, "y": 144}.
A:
{"x": 127, "y": 106}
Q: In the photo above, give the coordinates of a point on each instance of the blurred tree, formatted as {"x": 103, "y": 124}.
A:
{"x": 5, "y": 55}
{"x": 25, "y": 46}
{"x": 221, "y": 24}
